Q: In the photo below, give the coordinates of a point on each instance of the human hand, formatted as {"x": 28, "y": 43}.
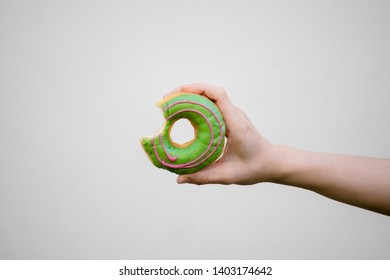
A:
{"x": 248, "y": 157}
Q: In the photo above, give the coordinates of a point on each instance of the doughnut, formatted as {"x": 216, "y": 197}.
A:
{"x": 209, "y": 130}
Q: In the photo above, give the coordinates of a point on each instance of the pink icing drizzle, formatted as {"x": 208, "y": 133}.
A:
{"x": 194, "y": 162}
{"x": 171, "y": 158}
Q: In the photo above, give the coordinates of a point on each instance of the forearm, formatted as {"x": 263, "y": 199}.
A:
{"x": 359, "y": 181}
{"x": 248, "y": 159}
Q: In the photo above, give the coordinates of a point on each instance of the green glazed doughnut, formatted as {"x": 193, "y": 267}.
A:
{"x": 207, "y": 145}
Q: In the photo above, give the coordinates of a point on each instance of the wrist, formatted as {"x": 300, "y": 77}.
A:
{"x": 269, "y": 163}
{"x": 296, "y": 168}
{"x": 279, "y": 167}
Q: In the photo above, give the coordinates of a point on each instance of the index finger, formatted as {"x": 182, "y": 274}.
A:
{"x": 214, "y": 93}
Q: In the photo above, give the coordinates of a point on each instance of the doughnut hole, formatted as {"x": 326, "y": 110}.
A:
{"x": 182, "y": 133}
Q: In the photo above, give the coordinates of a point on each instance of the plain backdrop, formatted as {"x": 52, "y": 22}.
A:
{"x": 78, "y": 84}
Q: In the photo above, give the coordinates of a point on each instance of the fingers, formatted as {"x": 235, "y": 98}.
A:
{"x": 212, "y": 92}
{"x": 214, "y": 174}
{"x": 216, "y": 94}
{"x": 198, "y": 179}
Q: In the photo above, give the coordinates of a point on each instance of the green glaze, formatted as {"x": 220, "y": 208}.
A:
{"x": 204, "y": 149}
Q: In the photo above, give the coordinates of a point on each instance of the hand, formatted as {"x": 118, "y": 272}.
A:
{"x": 248, "y": 158}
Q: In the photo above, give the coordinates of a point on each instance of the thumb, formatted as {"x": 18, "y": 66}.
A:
{"x": 197, "y": 179}
{"x": 209, "y": 175}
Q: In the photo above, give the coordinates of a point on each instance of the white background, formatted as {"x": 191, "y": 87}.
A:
{"x": 78, "y": 83}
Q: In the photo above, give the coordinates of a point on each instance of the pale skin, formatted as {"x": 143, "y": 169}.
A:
{"x": 250, "y": 159}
